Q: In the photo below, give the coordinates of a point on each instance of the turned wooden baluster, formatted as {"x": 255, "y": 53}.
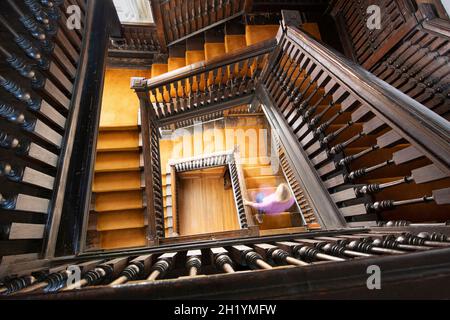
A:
{"x": 41, "y": 16}
{"x": 20, "y": 94}
{"x": 418, "y": 176}
{"x": 14, "y": 285}
{"x": 26, "y": 45}
{"x": 383, "y": 141}
{"x": 306, "y": 252}
{"x": 333, "y": 248}
{"x": 57, "y": 277}
{"x": 279, "y": 66}
{"x": 284, "y": 73}
{"x": 194, "y": 262}
{"x": 19, "y": 145}
{"x": 389, "y": 241}
{"x": 434, "y": 236}
{"x": 273, "y": 253}
{"x": 185, "y": 16}
{"x": 246, "y": 257}
{"x": 136, "y": 269}
{"x": 33, "y": 125}
{"x": 100, "y": 274}
{"x": 221, "y": 260}
{"x": 34, "y": 103}
{"x": 163, "y": 264}
{"x": 37, "y": 80}
{"x": 440, "y": 197}
{"x": 360, "y": 244}
{"x": 43, "y": 62}
{"x": 7, "y": 203}
{"x": 408, "y": 238}
{"x": 32, "y": 26}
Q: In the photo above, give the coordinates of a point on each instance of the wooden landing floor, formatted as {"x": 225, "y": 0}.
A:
{"x": 204, "y": 206}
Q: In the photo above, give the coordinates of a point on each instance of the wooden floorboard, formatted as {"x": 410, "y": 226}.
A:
{"x": 204, "y": 206}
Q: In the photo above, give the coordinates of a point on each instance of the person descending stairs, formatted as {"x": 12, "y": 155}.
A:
{"x": 270, "y": 197}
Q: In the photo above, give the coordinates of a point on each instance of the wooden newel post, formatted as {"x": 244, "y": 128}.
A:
{"x": 154, "y": 214}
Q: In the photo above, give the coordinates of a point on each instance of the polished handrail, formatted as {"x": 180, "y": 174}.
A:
{"x": 206, "y": 66}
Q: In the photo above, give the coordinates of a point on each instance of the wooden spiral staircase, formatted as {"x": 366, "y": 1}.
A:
{"x": 85, "y": 182}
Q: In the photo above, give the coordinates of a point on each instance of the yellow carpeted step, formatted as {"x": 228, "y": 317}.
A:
{"x": 263, "y": 182}
{"x": 120, "y": 104}
{"x": 120, "y": 220}
{"x": 278, "y": 221}
{"x": 214, "y": 50}
{"x": 117, "y": 181}
{"x": 159, "y": 69}
{"x": 312, "y": 29}
{"x": 123, "y": 238}
{"x": 193, "y": 56}
{"x": 258, "y": 33}
{"x": 174, "y": 63}
{"x": 264, "y": 170}
{"x": 290, "y": 230}
{"x": 117, "y": 201}
{"x": 118, "y": 161}
{"x": 235, "y": 42}
{"x": 118, "y": 141}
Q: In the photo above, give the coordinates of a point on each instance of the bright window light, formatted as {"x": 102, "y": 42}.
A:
{"x": 134, "y": 11}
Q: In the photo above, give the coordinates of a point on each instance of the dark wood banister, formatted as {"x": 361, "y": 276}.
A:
{"x": 418, "y": 124}
{"x": 67, "y": 221}
{"x": 241, "y": 178}
{"x": 206, "y": 66}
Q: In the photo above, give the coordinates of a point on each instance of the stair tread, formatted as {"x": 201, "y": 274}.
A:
{"x": 289, "y": 230}
{"x": 259, "y": 33}
{"x": 127, "y": 219}
{"x": 174, "y": 63}
{"x": 118, "y": 201}
{"x": 159, "y": 69}
{"x": 313, "y": 29}
{"x": 235, "y": 42}
{"x": 117, "y": 161}
{"x": 119, "y": 104}
{"x": 126, "y": 238}
{"x": 214, "y": 50}
{"x": 193, "y": 56}
{"x": 277, "y": 221}
{"x": 117, "y": 181}
{"x": 118, "y": 141}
